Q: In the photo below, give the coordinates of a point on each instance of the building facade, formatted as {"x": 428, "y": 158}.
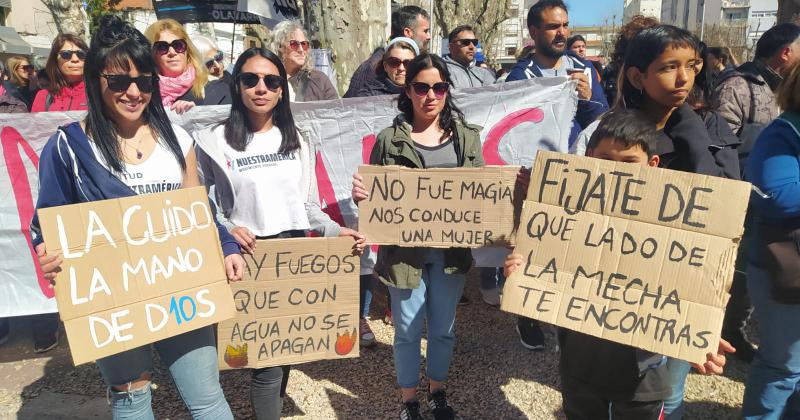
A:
{"x": 633, "y": 8}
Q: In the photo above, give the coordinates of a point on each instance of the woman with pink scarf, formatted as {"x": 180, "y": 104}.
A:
{"x": 182, "y": 75}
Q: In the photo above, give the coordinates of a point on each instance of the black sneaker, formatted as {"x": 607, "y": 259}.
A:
{"x": 437, "y": 401}
{"x": 46, "y": 343}
{"x": 530, "y": 334}
{"x": 745, "y": 350}
{"x": 410, "y": 411}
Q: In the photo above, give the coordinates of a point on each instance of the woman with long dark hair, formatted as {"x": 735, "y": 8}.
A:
{"x": 264, "y": 201}
{"x": 424, "y": 283}
{"x": 127, "y": 146}
{"x": 66, "y": 90}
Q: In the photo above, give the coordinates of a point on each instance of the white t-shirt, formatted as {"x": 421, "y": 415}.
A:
{"x": 159, "y": 173}
{"x": 269, "y": 196}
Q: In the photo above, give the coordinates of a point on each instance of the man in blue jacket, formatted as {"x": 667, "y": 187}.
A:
{"x": 548, "y": 23}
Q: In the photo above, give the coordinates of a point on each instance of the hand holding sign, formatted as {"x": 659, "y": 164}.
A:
{"x": 50, "y": 264}
{"x": 359, "y": 190}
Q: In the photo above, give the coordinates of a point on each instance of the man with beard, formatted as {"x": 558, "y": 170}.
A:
{"x": 548, "y": 23}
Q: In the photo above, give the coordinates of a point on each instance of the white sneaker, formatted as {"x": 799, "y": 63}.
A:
{"x": 491, "y": 296}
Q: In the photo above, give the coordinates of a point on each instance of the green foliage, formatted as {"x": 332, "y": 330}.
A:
{"x": 95, "y": 9}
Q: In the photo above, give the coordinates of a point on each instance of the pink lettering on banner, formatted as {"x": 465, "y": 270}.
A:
{"x": 12, "y": 140}
{"x": 491, "y": 146}
{"x": 327, "y": 196}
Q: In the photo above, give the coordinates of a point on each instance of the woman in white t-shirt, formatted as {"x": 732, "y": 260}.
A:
{"x": 125, "y": 147}
{"x": 262, "y": 171}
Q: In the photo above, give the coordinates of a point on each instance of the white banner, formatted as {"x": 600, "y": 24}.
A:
{"x": 519, "y": 118}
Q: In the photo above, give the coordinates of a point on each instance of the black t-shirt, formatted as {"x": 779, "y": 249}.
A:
{"x": 609, "y": 368}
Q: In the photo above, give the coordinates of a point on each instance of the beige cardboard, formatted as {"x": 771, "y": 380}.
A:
{"x": 630, "y": 278}
{"x": 297, "y": 303}
{"x": 440, "y": 208}
{"x": 175, "y": 253}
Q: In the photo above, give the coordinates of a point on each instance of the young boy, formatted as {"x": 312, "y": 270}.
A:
{"x": 601, "y": 379}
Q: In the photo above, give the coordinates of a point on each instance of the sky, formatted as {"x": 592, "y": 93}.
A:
{"x": 593, "y": 12}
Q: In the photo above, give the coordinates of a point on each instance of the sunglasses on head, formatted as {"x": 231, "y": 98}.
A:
{"x": 466, "y": 42}
{"x": 271, "y": 81}
{"x": 395, "y": 62}
{"x": 67, "y": 54}
{"x": 296, "y": 45}
{"x": 439, "y": 89}
{"x": 216, "y": 58}
{"x": 162, "y": 47}
{"x": 121, "y": 82}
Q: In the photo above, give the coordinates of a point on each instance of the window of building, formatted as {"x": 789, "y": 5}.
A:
{"x": 512, "y": 51}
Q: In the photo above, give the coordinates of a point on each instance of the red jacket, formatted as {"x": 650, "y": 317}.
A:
{"x": 71, "y": 98}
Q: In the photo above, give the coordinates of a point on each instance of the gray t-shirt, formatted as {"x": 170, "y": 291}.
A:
{"x": 561, "y": 70}
{"x": 441, "y": 156}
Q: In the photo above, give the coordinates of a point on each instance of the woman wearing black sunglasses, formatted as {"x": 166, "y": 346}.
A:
{"x": 21, "y": 83}
{"x": 424, "y": 283}
{"x": 264, "y": 181}
{"x": 392, "y": 68}
{"x": 182, "y": 74}
{"x": 66, "y": 90}
{"x": 126, "y": 146}
{"x": 289, "y": 40}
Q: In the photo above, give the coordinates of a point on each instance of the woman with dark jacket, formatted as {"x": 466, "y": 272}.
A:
{"x": 126, "y": 147}
{"x": 21, "y": 83}
{"x": 424, "y": 283}
{"x": 290, "y": 42}
{"x": 391, "y": 70}
{"x": 66, "y": 90}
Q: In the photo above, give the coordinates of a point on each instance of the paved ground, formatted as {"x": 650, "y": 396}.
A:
{"x": 492, "y": 377}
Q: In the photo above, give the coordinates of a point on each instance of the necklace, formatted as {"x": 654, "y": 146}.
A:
{"x": 139, "y": 153}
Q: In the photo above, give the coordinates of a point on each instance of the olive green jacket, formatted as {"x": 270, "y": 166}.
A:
{"x": 402, "y": 267}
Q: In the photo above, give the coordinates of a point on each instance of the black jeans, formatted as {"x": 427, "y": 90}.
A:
{"x": 267, "y": 389}
{"x": 581, "y": 403}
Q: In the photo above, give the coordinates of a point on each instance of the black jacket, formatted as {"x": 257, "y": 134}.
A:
{"x": 723, "y": 143}
{"x": 218, "y": 92}
{"x": 685, "y": 144}
{"x": 26, "y": 95}
{"x": 380, "y": 86}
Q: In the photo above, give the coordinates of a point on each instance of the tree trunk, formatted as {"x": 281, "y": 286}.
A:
{"x": 788, "y": 11}
{"x": 351, "y": 28}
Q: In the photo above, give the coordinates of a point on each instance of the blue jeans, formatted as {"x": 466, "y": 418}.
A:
{"x": 771, "y": 390}
{"x": 491, "y": 278}
{"x": 434, "y": 300}
{"x": 366, "y": 281}
{"x": 192, "y": 361}
{"x": 673, "y": 405}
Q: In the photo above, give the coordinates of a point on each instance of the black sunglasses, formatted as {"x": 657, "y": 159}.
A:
{"x": 28, "y": 67}
{"x": 250, "y": 80}
{"x": 162, "y": 47}
{"x": 465, "y": 42}
{"x": 439, "y": 89}
{"x": 395, "y": 62}
{"x": 121, "y": 82}
{"x": 216, "y": 58}
{"x": 67, "y": 54}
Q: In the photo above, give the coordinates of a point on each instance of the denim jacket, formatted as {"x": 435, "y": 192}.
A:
{"x": 401, "y": 267}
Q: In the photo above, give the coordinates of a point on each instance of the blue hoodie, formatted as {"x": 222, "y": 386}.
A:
{"x": 588, "y": 111}
{"x": 69, "y": 173}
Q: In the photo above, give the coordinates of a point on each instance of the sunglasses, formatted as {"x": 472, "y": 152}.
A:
{"x": 466, "y": 42}
{"x": 395, "y": 62}
{"x": 121, "y": 82}
{"x": 295, "y": 45}
{"x": 271, "y": 81}
{"x": 66, "y": 55}
{"x": 28, "y": 67}
{"x": 217, "y": 58}
{"x": 439, "y": 89}
{"x": 162, "y": 47}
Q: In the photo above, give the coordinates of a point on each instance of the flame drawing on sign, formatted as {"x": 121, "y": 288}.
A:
{"x": 345, "y": 342}
{"x": 236, "y": 357}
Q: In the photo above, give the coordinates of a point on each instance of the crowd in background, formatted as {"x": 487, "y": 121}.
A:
{"x": 664, "y": 99}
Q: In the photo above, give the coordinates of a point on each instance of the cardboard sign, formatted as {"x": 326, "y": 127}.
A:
{"x": 636, "y": 255}
{"x": 440, "y": 208}
{"x": 298, "y": 303}
{"x": 136, "y": 270}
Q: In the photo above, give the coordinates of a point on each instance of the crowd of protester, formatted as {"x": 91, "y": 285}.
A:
{"x": 664, "y": 100}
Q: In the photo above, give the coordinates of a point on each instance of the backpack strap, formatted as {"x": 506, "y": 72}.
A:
{"x": 48, "y": 100}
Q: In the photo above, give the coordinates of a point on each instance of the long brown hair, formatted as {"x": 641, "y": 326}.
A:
{"x": 56, "y": 80}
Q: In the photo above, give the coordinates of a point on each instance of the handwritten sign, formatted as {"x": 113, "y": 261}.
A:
{"x": 136, "y": 270}
{"x": 297, "y": 303}
{"x": 440, "y": 208}
{"x": 636, "y": 255}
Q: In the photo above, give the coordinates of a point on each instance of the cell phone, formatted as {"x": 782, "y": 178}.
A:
{"x": 587, "y": 71}
{"x": 573, "y": 71}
